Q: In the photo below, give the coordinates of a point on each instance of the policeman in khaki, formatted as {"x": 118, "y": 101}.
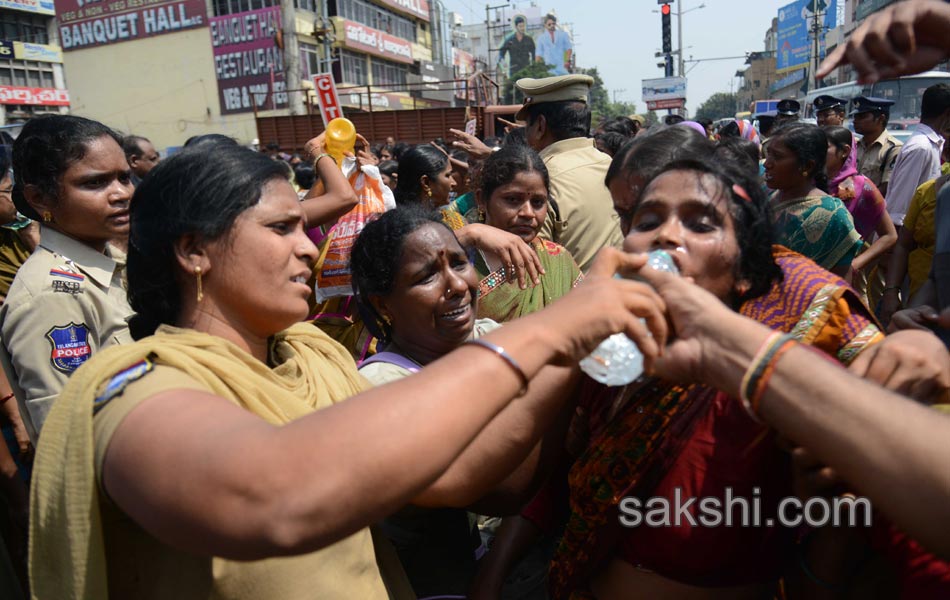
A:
{"x": 582, "y": 217}
{"x": 68, "y": 299}
{"x": 878, "y": 149}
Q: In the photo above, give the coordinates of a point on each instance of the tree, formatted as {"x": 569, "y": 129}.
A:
{"x": 536, "y": 70}
{"x": 600, "y": 105}
{"x": 718, "y": 106}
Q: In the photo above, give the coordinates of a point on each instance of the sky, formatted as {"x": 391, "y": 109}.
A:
{"x": 621, "y": 37}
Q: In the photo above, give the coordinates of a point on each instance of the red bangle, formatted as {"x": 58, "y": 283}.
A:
{"x": 5, "y": 398}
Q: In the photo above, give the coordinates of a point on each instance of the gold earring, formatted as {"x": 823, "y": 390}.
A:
{"x": 429, "y": 192}
{"x": 481, "y": 215}
{"x": 47, "y": 216}
{"x": 198, "y": 277}
{"x": 804, "y": 173}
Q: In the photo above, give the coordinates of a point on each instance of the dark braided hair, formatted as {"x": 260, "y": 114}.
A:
{"x": 501, "y": 168}
{"x": 376, "y": 256}
{"x": 424, "y": 159}
{"x": 46, "y": 147}
{"x": 809, "y": 143}
{"x": 193, "y": 192}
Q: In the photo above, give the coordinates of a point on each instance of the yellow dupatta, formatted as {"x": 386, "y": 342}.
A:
{"x": 67, "y": 553}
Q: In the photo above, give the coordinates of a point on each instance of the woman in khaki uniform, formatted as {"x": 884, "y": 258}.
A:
{"x": 218, "y": 459}
{"x": 68, "y": 299}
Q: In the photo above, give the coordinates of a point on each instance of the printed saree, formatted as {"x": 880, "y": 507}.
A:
{"x": 631, "y": 453}
{"x": 502, "y": 301}
{"x": 819, "y": 227}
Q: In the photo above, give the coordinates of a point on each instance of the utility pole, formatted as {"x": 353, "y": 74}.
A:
{"x": 291, "y": 50}
{"x": 488, "y": 38}
{"x": 816, "y": 31}
{"x": 679, "y": 35}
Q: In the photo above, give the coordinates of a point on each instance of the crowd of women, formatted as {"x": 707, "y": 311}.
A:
{"x": 199, "y": 434}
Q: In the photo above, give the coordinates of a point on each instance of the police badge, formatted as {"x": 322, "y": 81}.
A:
{"x": 70, "y": 346}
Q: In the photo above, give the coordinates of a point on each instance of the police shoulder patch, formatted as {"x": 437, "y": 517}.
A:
{"x": 115, "y": 386}
{"x": 70, "y": 346}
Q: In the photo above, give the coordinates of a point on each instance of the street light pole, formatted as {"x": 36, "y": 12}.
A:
{"x": 679, "y": 27}
{"x": 679, "y": 35}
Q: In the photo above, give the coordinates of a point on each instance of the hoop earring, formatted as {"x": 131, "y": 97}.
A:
{"x": 198, "y": 277}
{"x": 47, "y": 216}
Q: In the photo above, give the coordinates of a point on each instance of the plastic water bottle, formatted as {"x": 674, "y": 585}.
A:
{"x": 617, "y": 360}
{"x": 341, "y": 138}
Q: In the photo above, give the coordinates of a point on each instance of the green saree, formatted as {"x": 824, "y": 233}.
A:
{"x": 502, "y": 301}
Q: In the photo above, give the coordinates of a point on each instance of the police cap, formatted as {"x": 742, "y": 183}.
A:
{"x": 553, "y": 89}
{"x": 789, "y": 108}
{"x": 862, "y": 104}
{"x": 826, "y": 102}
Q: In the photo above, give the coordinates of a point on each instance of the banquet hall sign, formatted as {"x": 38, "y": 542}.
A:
{"x": 248, "y": 65}
{"x": 89, "y": 24}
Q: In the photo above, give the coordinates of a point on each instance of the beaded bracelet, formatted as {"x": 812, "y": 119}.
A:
{"x": 751, "y": 388}
{"x": 500, "y": 352}
{"x": 759, "y": 391}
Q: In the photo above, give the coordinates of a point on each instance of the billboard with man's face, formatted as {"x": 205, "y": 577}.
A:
{"x": 518, "y": 46}
{"x": 555, "y": 47}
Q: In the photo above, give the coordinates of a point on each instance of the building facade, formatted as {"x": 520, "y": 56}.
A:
{"x": 173, "y": 69}
{"x": 31, "y": 70}
{"x": 384, "y": 51}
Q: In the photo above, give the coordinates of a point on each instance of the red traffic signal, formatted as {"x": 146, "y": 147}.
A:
{"x": 665, "y": 9}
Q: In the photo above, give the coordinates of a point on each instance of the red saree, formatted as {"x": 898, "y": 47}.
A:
{"x": 639, "y": 448}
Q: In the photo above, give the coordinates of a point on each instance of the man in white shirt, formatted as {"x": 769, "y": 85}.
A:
{"x": 919, "y": 160}
{"x": 917, "y": 163}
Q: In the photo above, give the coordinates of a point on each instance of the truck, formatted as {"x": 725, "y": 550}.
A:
{"x": 415, "y": 126}
{"x": 418, "y": 126}
{"x": 761, "y": 107}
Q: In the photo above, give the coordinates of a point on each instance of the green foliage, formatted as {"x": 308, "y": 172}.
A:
{"x": 601, "y": 106}
{"x": 513, "y": 95}
{"x": 718, "y": 106}
{"x": 651, "y": 119}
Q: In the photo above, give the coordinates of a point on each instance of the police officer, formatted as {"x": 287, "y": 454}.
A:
{"x": 582, "y": 217}
{"x": 830, "y": 111}
{"x": 788, "y": 111}
{"x": 766, "y": 125}
{"x": 878, "y": 149}
{"x": 68, "y": 299}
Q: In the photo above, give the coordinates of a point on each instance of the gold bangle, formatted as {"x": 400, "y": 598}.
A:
{"x": 317, "y": 159}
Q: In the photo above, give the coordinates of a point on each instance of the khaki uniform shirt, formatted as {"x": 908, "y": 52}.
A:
{"x": 586, "y": 220}
{"x": 66, "y": 302}
{"x": 876, "y": 162}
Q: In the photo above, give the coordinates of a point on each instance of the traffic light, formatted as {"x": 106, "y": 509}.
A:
{"x": 667, "y": 29}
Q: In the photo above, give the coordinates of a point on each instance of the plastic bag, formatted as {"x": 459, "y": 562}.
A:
{"x": 333, "y": 277}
